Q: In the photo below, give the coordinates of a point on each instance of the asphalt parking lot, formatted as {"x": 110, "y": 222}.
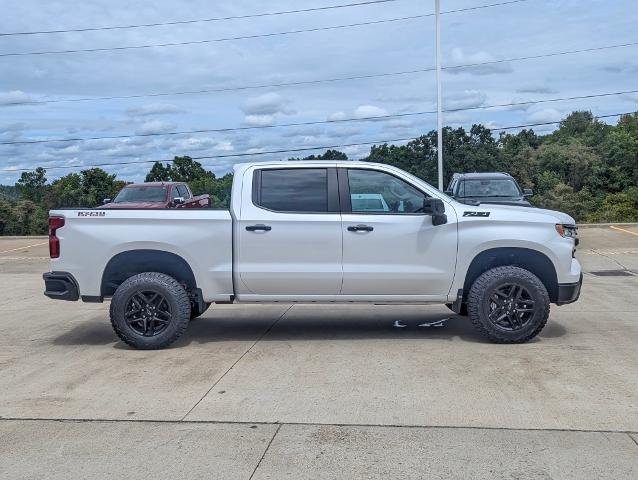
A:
{"x": 313, "y": 392}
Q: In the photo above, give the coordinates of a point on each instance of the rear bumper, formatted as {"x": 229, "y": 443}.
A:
{"x": 60, "y": 286}
{"x": 569, "y": 292}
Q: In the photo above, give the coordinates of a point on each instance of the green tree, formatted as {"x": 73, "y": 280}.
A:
{"x": 328, "y": 155}
{"x": 96, "y": 185}
{"x": 32, "y": 185}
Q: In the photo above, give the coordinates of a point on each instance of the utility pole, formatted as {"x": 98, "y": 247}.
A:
{"x": 439, "y": 106}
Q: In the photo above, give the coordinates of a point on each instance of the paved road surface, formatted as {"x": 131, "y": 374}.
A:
{"x": 321, "y": 391}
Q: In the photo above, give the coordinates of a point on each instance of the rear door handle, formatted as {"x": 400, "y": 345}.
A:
{"x": 360, "y": 228}
{"x": 259, "y": 226}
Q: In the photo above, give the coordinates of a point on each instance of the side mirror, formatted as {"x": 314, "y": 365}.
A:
{"x": 105, "y": 201}
{"x": 178, "y": 201}
{"x": 528, "y": 192}
{"x": 436, "y": 208}
{"x": 449, "y": 193}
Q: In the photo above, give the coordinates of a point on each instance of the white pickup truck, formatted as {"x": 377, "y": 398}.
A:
{"x": 294, "y": 234}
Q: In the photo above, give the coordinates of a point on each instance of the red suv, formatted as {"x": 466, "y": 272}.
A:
{"x": 157, "y": 195}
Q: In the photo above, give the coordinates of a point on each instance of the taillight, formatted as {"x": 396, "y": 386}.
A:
{"x": 54, "y": 242}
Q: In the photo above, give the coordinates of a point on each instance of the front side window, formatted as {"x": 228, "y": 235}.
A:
{"x": 294, "y": 190}
{"x": 183, "y": 191}
{"x": 379, "y": 192}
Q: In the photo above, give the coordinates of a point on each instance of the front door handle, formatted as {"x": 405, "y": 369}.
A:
{"x": 259, "y": 226}
{"x": 360, "y": 228}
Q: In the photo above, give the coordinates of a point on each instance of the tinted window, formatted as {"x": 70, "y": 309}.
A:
{"x": 372, "y": 191}
{"x": 183, "y": 191}
{"x": 490, "y": 188}
{"x": 141, "y": 194}
{"x": 294, "y": 190}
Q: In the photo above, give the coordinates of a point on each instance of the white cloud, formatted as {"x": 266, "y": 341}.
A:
{"x": 337, "y": 116}
{"x": 459, "y": 57}
{"x": 363, "y": 111}
{"x": 465, "y": 99}
{"x": 520, "y": 108}
{"x": 258, "y": 120}
{"x": 542, "y": 89}
{"x": 267, "y": 104}
{"x": 155, "y": 126}
{"x": 154, "y": 109}
{"x": 545, "y": 115}
{"x": 15, "y": 97}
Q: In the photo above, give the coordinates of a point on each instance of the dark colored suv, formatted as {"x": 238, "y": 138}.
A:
{"x": 501, "y": 188}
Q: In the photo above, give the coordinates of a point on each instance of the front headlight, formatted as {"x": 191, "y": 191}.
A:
{"x": 567, "y": 231}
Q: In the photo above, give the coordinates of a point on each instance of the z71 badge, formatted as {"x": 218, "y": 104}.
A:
{"x": 476, "y": 214}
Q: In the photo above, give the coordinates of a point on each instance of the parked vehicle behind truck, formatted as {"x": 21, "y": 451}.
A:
{"x": 317, "y": 232}
{"x": 157, "y": 195}
{"x": 499, "y": 188}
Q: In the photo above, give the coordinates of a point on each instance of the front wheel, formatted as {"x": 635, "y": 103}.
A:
{"x": 508, "y": 305}
{"x": 150, "y": 310}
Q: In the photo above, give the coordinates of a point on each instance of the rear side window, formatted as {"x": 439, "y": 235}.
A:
{"x": 292, "y": 189}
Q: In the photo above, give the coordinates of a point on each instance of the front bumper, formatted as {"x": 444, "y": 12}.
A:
{"x": 569, "y": 292}
{"x": 60, "y": 286}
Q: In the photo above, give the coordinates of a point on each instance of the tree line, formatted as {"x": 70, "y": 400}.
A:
{"x": 586, "y": 168}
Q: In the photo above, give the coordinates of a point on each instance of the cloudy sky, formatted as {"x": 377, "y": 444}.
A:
{"x": 528, "y": 28}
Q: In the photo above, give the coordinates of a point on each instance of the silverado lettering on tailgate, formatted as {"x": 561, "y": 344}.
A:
{"x": 91, "y": 214}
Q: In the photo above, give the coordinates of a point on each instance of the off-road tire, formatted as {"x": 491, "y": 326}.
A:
{"x": 478, "y": 304}
{"x": 176, "y": 299}
{"x": 195, "y": 310}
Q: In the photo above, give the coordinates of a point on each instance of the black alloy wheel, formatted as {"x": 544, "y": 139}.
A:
{"x": 148, "y": 313}
{"x": 511, "y": 307}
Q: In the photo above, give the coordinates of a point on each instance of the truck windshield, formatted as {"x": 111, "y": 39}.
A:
{"x": 494, "y": 187}
{"x": 141, "y": 194}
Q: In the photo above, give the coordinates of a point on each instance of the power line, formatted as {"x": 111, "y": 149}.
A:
{"x": 315, "y": 122}
{"x": 226, "y": 89}
{"x": 246, "y": 37}
{"x": 304, "y": 149}
{"x": 545, "y": 55}
{"x": 326, "y": 80}
{"x": 202, "y": 20}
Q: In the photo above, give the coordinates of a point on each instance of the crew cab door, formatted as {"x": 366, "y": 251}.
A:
{"x": 289, "y": 232}
{"x": 389, "y": 246}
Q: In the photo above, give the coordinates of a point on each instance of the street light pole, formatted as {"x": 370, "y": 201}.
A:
{"x": 439, "y": 106}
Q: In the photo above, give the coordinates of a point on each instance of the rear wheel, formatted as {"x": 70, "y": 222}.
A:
{"x": 150, "y": 310}
{"x": 508, "y": 305}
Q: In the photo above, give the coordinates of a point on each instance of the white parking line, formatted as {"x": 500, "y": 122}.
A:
{"x": 24, "y": 258}
{"x": 22, "y": 248}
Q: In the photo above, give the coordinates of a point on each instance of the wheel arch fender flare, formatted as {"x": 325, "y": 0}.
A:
{"x": 530, "y": 259}
{"x": 131, "y": 262}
